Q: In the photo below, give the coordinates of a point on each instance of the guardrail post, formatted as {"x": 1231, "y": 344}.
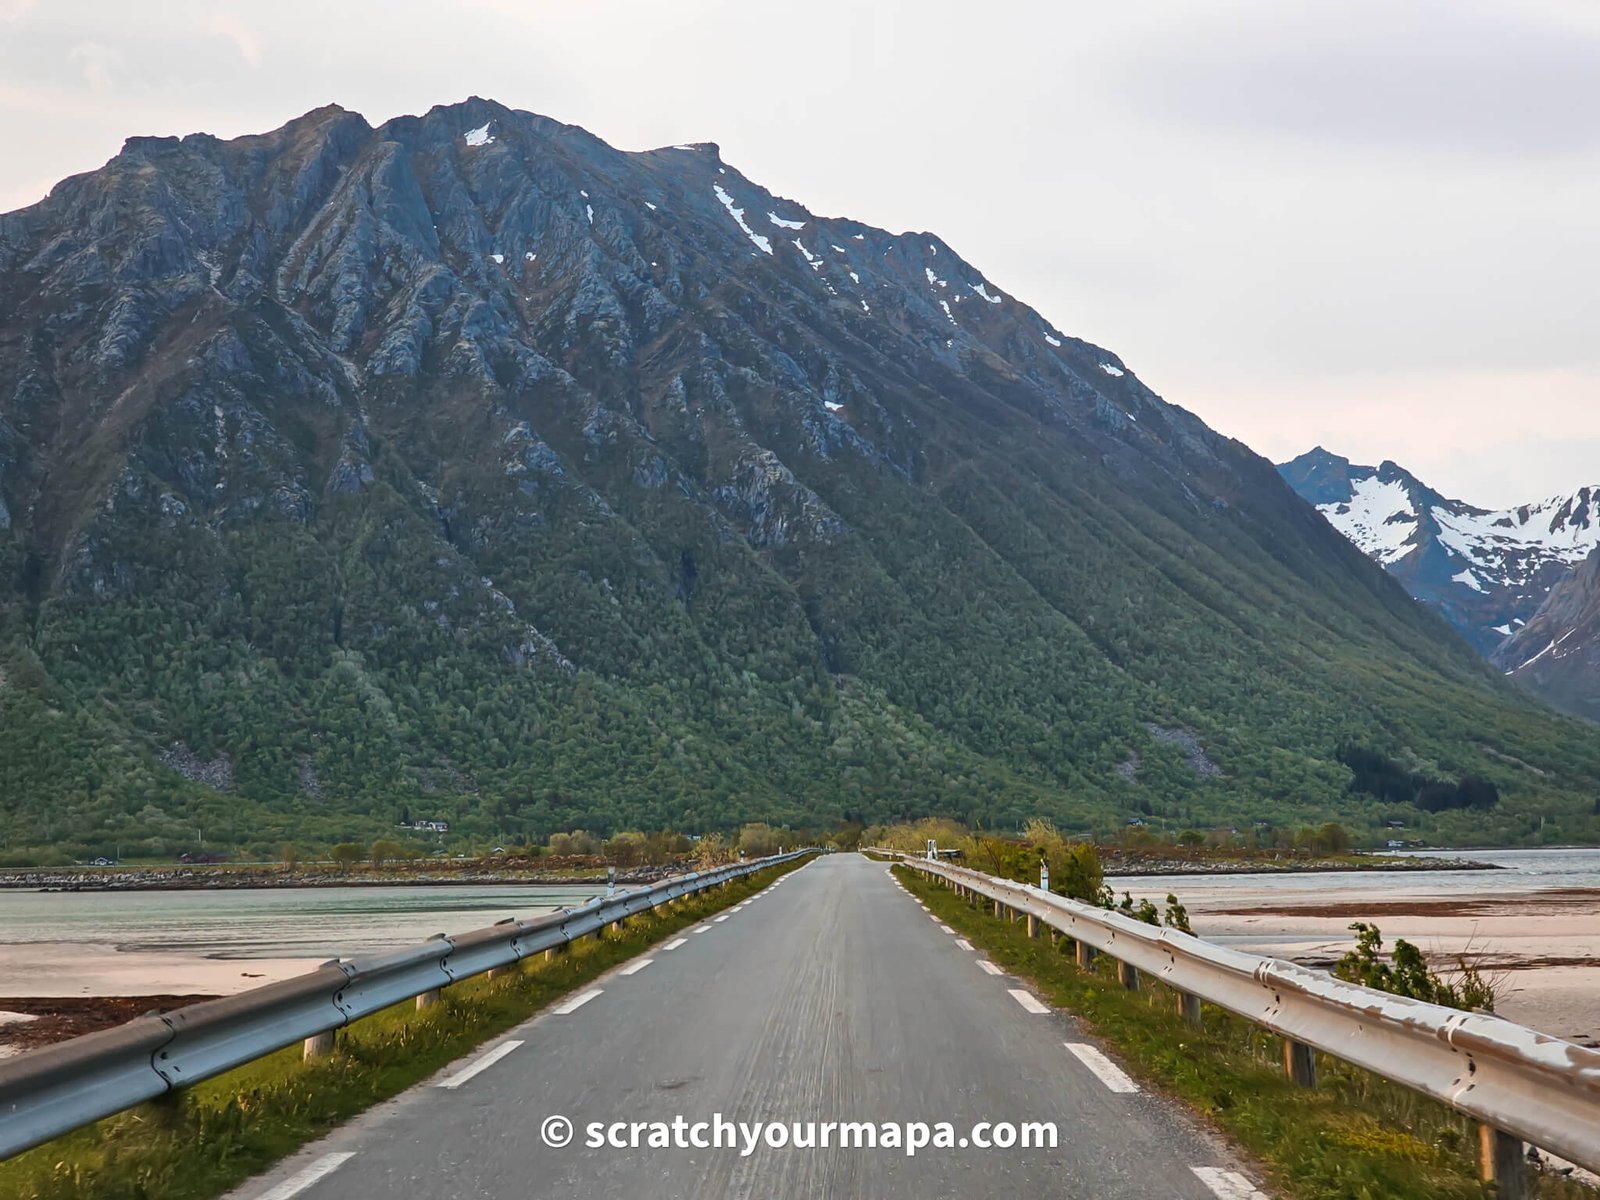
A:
{"x": 997, "y": 907}
{"x": 1502, "y": 1163}
{"x": 1128, "y": 974}
{"x": 428, "y": 999}
{"x": 1085, "y": 955}
{"x": 318, "y": 1045}
{"x": 1189, "y": 1008}
{"x": 1300, "y": 1063}
{"x": 1033, "y": 926}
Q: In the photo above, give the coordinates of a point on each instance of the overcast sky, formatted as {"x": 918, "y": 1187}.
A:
{"x": 1372, "y": 224}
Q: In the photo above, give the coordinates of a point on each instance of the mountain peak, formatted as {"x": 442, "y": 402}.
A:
{"x": 1486, "y": 571}
{"x": 471, "y": 460}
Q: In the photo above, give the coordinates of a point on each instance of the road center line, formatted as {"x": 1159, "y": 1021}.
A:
{"x": 1106, "y": 1071}
{"x": 577, "y": 1002}
{"x": 483, "y": 1064}
{"x": 986, "y": 966}
{"x": 675, "y": 943}
{"x": 1228, "y": 1185}
{"x": 635, "y": 968}
{"x": 301, "y": 1180}
{"x": 1028, "y": 1000}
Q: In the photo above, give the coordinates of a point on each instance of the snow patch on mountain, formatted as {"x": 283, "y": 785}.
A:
{"x": 738, "y": 215}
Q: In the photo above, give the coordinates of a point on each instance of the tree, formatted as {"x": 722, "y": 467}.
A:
{"x": 384, "y": 851}
{"x": 348, "y": 854}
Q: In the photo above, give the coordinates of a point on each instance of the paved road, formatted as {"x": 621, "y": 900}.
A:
{"x": 833, "y": 996}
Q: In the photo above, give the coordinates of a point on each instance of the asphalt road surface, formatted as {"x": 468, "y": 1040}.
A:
{"x": 831, "y": 997}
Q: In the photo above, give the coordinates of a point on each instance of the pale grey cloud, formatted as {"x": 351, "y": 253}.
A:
{"x": 1413, "y": 76}
{"x": 1283, "y": 214}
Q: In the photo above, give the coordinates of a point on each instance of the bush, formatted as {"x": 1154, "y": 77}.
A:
{"x": 1407, "y": 973}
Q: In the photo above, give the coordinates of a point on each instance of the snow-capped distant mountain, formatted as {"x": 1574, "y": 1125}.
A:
{"x": 1486, "y": 571}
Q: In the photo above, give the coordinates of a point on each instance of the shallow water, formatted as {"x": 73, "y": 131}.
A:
{"x": 322, "y": 922}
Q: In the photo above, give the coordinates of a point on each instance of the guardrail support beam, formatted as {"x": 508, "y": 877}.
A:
{"x": 1128, "y": 975}
{"x": 1189, "y": 1008}
{"x": 1501, "y": 1162}
{"x": 318, "y": 1045}
{"x": 428, "y": 999}
{"x": 1300, "y": 1063}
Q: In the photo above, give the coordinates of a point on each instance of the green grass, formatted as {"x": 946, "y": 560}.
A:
{"x": 198, "y": 1143}
{"x": 1355, "y": 1137}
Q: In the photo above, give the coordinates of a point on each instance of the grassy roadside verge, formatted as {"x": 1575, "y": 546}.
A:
{"x": 1355, "y": 1137}
{"x": 198, "y": 1143}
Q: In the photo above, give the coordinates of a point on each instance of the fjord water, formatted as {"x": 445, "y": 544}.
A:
{"x": 1511, "y": 872}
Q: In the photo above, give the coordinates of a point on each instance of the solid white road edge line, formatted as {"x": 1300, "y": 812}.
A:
{"x": 1028, "y": 1000}
{"x": 1106, "y": 1071}
{"x": 577, "y": 1002}
{"x": 301, "y": 1180}
{"x": 1228, "y": 1185}
{"x": 483, "y": 1064}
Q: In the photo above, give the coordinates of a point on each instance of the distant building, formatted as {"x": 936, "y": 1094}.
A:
{"x": 430, "y": 826}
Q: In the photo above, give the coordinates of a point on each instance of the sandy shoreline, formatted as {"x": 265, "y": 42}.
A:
{"x": 1543, "y": 946}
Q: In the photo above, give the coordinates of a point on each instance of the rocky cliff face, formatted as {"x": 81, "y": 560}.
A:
{"x": 1485, "y": 571}
{"x": 1557, "y": 653}
{"x": 469, "y": 463}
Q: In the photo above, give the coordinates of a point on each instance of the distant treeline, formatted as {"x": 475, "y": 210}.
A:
{"x": 1379, "y": 775}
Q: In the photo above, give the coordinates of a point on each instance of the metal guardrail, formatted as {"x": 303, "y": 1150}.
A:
{"x": 1529, "y": 1085}
{"x": 54, "y": 1090}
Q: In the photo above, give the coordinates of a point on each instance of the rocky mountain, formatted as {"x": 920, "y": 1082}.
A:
{"x": 1485, "y": 571}
{"x": 1556, "y": 654}
{"x": 466, "y": 468}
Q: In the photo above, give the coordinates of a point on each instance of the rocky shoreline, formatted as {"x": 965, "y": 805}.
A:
{"x": 1120, "y": 865}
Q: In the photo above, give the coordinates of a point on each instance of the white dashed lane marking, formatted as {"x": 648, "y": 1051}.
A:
{"x": 675, "y": 943}
{"x": 635, "y": 968}
{"x": 483, "y": 1064}
{"x": 1106, "y": 1071}
{"x": 988, "y": 967}
{"x": 577, "y": 1002}
{"x": 1028, "y": 1000}
{"x": 963, "y": 943}
{"x": 301, "y": 1180}
{"x": 1228, "y": 1185}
